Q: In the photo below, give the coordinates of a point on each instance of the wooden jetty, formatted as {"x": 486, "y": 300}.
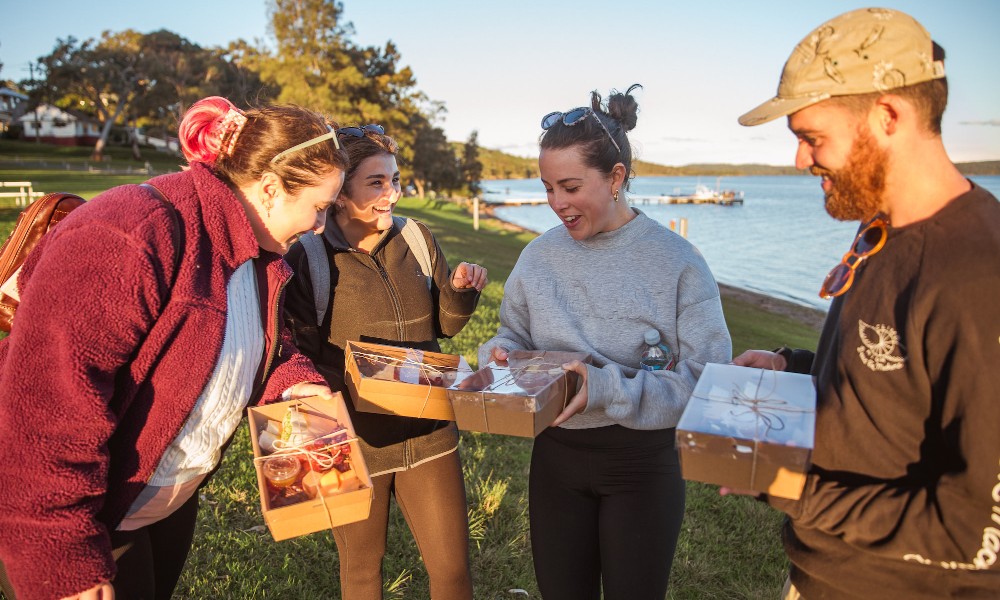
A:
{"x": 515, "y": 201}
{"x": 701, "y": 195}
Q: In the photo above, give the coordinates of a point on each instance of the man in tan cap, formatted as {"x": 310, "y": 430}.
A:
{"x": 903, "y": 496}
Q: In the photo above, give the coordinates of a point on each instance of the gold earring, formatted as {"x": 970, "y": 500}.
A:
{"x": 615, "y": 195}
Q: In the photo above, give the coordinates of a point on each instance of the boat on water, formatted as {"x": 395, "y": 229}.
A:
{"x": 705, "y": 195}
{"x": 702, "y": 195}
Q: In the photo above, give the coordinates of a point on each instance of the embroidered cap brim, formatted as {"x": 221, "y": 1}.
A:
{"x": 859, "y": 52}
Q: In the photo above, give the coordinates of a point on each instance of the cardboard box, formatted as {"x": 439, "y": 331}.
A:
{"x": 749, "y": 429}
{"x": 401, "y": 381}
{"x": 324, "y": 511}
{"x": 520, "y": 399}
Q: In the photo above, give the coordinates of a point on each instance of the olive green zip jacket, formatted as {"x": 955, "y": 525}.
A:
{"x": 381, "y": 298}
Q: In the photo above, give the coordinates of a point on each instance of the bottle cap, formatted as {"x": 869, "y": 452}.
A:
{"x": 652, "y": 337}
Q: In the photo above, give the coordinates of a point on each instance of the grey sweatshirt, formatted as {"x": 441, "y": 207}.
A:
{"x": 599, "y": 296}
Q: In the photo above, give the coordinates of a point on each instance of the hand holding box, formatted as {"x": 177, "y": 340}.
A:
{"x": 292, "y": 501}
{"x": 749, "y": 429}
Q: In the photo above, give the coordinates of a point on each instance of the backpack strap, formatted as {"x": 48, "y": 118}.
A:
{"x": 318, "y": 261}
{"x": 34, "y": 221}
{"x": 176, "y": 231}
{"x": 418, "y": 245}
{"x": 319, "y": 272}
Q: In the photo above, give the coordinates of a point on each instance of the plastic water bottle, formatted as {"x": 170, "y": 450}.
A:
{"x": 657, "y": 356}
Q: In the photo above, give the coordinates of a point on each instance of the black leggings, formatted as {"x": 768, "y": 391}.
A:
{"x": 431, "y": 497}
{"x": 605, "y": 506}
{"x": 150, "y": 559}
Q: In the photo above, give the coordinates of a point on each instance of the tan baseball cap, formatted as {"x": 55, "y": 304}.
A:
{"x": 862, "y": 51}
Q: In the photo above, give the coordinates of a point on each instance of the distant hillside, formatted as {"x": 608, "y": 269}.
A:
{"x": 985, "y": 167}
{"x": 500, "y": 165}
{"x": 646, "y": 169}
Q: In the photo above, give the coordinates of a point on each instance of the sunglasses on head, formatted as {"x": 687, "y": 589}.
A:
{"x": 869, "y": 241}
{"x": 360, "y": 131}
{"x": 575, "y": 116}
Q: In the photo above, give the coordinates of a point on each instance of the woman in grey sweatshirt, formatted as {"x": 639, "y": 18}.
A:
{"x": 606, "y": 497}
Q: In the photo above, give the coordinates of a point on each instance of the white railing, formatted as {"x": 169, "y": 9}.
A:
{"x": 24, "y": 194}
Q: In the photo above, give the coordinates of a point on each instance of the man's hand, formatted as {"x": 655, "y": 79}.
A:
{"x": 761, "y": 359}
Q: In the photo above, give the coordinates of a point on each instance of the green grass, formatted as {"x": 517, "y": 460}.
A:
{"x": 728, "y": 549}
{"x": 52, "y": 168}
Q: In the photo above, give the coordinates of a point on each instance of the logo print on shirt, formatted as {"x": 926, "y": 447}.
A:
{"x": 879, "y": 342}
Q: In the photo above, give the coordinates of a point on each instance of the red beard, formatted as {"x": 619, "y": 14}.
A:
{"x": 857, "y": 189}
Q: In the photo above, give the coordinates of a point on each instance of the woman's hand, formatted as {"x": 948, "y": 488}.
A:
{"x": 101, "y": 591}
{"x": 728, "y": 491}
{"x": 469, "y": 275}
{"x": 499, "y": 355}
{"x": 308, "y": 390}
{"x": 578, "y": 403}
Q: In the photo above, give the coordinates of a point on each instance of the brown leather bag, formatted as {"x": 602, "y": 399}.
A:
{"x": 34, "y": 221}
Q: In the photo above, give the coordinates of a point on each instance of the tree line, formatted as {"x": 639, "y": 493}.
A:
{"x": 146, "y": 81}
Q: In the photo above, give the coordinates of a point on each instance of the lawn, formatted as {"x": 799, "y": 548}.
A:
{"x": 729, "y": 547}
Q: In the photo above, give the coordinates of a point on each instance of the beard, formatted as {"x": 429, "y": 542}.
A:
{"x": 857, "y": 189}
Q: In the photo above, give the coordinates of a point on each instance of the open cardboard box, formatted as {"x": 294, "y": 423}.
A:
{"x": 749, "y": 429}
{"x": 521, "y": 398}
{"x": 321, "y": 512}
{"x": 374, "y": 372}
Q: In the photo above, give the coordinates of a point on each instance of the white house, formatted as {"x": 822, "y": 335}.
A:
{"x": 12, "y": 106}
{"x": 54, "y": 125}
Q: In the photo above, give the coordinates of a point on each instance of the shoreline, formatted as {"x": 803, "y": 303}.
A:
{"x": 811, "y": 317}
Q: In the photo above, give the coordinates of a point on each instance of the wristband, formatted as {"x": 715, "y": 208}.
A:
{"x": 786, "y": 353}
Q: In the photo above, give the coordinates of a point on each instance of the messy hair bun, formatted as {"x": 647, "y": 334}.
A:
{"x": 602, "y": 144}
{"x": 621, "y": 107}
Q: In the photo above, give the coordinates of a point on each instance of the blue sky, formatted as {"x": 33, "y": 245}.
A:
{"x": 498, "y": 67}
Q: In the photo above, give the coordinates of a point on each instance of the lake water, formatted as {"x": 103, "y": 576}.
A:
{"x": 780, "y": 242}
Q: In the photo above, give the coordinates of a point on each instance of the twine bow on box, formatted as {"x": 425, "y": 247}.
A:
{"x": 413, "y": 360}
{"x": 320, "y": 456}
{"x": 768, "y": 411}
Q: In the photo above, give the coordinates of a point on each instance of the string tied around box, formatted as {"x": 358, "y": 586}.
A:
{"x": 767, "y": 411}
{"x": 325, "y": 460}
{"x": 425, "y": 371}
{"x": 535, "y": 363}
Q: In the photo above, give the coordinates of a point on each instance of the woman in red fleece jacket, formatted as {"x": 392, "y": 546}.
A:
{"x": 145, "y": 328}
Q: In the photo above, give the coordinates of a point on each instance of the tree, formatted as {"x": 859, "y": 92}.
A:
{"x": 241, "y": 79}
{"x": 108, "y": 75}
{"x": 435, "y": 164}
{"x": 317, "y": 65}
{"x": 185, "y": 72}
{"x": 472, "y": 168}
{"x": 311, "y": 66}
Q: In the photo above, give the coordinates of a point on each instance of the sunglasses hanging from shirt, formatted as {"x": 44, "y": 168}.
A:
{"x": 869, "y": 241}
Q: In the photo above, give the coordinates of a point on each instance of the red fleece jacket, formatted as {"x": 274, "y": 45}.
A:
{"x": 106, "y": 361}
